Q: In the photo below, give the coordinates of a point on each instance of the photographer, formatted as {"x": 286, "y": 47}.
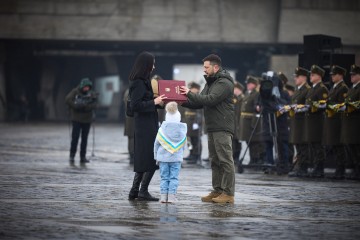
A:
{"x": 275, "y": 128}
{"x": 82, "y": 102}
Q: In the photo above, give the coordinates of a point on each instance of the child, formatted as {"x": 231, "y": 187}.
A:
{"x": 168, "y": 151}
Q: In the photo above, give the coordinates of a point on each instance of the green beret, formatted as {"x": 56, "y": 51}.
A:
{"x": 335, "y": 69}
{"x": 85, "y": 82}
{"x": 282, "y": 77}
{"x": 299, "y": 71}
{"x": 194, "y": 85}
{"x": 354, "y": 69}
{"x": 317, "y": 70}
{"x": 239, "y": 85}
{"x": 252, "y": 79}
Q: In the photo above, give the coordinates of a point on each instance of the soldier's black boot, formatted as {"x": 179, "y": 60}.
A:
{"x": 356, "y": 173}
{"x": 318, "y": 171}
{"x": 144, "y": 194}
{"x": 300, "y": 171}
{"x": 339, "y": 173}
{"x": 134, "y": 192}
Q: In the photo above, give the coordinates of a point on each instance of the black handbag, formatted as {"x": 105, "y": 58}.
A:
{"x": 129, "y": 111}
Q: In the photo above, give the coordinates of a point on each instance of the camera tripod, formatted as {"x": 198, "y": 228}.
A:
{"x": 273, "y": 133}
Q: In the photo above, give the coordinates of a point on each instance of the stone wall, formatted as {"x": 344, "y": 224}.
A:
{"x": 177, "y": 20}
{"x": 255, "y": 21}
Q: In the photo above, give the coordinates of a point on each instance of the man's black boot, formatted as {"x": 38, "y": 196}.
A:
{"x": 84, "y": 160}
{"x": 144, "y": 194}
{"x": 134, "y": 192}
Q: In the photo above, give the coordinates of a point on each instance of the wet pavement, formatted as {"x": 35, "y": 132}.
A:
{"x": 42, "y": 196}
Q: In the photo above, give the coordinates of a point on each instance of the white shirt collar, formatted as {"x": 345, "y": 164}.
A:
{"x": 354, "y": 85}
{"x": 338, "y": 83}
{"x": 299, "y": 87}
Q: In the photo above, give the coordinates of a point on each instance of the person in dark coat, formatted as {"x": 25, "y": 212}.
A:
{"x": 314, "y": 120}
{"x": 81, "y": 101}
{"x": 281, "y": 130}
{"x": 237, "y": 99}
{"x": 144, "y": 106}
{"x": 248, "y": 118}
{"x": 350, "y": 127}
{"x": 332, "y": 121}
{"x": 297, "y": 120}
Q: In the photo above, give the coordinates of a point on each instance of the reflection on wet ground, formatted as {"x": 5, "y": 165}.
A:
{"x": 42, "y": 196}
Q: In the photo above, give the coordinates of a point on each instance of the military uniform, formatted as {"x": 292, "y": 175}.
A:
{"x": 332, "y": 121}
{"x": 236, "y": 146}
{"x": 194, "y": 119}
{"x": 297, "y": 122}
{"x": 129, "y": 130}
{"x": 350, "y": 127}
{"x": 314, "y": 123}
{"x": 248, "y": 119}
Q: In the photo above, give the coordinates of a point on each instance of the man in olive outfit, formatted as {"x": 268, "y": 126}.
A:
{"x": 81, "y": 101}
{"x": 248, "y": 118}
{"x": 314, "y": 120}
{"x": 297, "y": 121}
{"x": 237, "y": 99}
{"x": 332, "y": 121}
{"x": 350, "y": 127}
{"x": 217, "y": 101}
{"x": 194, "y": 120}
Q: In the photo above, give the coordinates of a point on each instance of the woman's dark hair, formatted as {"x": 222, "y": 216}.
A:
{"x": 143, "y": 66}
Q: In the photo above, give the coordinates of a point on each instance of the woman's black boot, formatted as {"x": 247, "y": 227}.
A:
{"x": 144, "y": 194}
{"x": 135, "y": 187}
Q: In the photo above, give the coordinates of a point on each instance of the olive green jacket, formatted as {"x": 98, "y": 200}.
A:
{"x": 82, "y": 113}
{"x": 217, "y": 101}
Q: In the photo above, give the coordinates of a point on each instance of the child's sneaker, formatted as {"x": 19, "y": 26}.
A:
{"x": 172, "y": 198}
{"x": 163, "y": 198}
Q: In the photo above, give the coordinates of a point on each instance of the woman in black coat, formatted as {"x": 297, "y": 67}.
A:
{"x": 144, "y": 106}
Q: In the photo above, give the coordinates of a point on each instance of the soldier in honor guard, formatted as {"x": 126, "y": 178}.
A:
{"x": 237, "y": 99}
{"x": 194, "y": 120}
{"x": 248, "y": 118}
{"x": 332, "y": 121}
{"x": 350, "y": 129}
{"x": 316, "y": 99}
{"x": 297, "y": 120}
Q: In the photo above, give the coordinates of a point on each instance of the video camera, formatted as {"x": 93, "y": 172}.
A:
{"x": 83, "y": 100}
{"x": 269, "y": 86}
{"x": 270, "y": 96}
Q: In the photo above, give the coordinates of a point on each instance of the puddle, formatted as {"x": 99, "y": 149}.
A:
{"x": 112, "y": 229}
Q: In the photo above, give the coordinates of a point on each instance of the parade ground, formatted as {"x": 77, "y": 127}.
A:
{"x": 43, "y": 196}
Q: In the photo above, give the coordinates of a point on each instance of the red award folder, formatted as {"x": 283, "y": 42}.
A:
{"x": 171, "y": 90}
